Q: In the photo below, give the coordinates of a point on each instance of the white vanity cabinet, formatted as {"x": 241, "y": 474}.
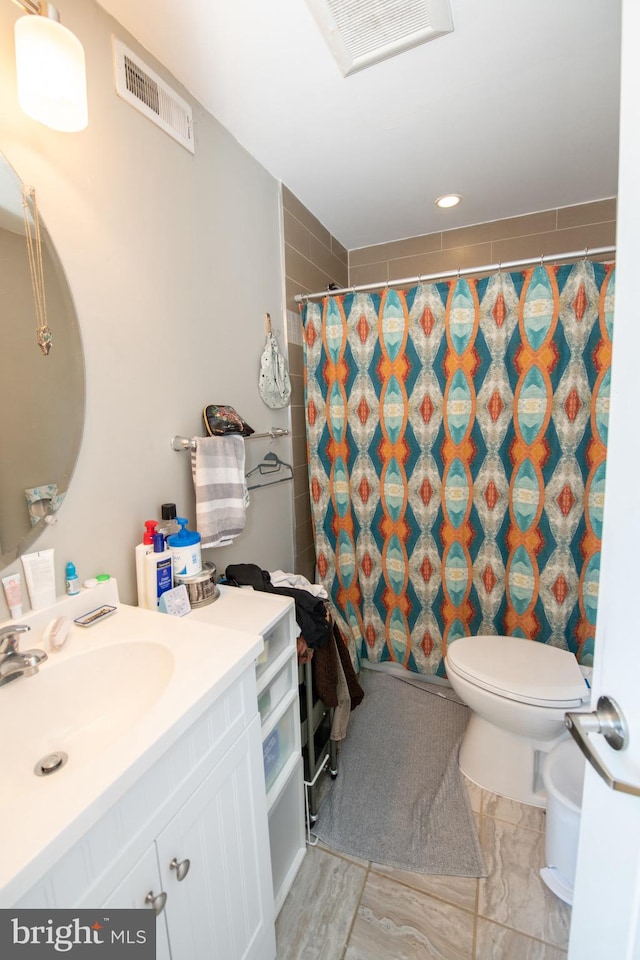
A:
{"x": 142, "y": 887}
{"x": 202, "y": 875}
{"x": 202, "y": 801}
{"x": 273, "y": 617}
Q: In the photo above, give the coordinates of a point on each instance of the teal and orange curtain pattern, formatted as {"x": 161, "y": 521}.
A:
{"x": 457, "y": 438}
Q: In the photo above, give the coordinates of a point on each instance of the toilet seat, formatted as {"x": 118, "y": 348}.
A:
{"x": 520, "y": 670}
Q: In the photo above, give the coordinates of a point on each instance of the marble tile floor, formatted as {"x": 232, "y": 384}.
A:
{"x": 348, "y": 909}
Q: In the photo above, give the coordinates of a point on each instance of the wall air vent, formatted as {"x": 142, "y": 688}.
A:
{"x": 363, "y": 32}
{"x": 147, "y": 92}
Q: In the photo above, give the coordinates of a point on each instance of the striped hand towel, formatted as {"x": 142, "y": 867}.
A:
{"x": 221, "y": 490}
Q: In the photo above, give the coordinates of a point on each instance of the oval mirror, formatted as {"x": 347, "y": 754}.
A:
{"x": 42, "y": 395}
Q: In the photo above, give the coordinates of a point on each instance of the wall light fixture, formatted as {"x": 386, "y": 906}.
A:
{"x": 52, "y": 83}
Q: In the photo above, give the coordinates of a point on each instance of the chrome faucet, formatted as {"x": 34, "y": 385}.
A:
{"x": 15, "y": 663}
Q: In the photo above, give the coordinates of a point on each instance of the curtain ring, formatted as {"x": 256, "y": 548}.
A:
{"x": 586, "y": 254}
{"x": 458, "y": 273}
{"x": 542, "y": 259}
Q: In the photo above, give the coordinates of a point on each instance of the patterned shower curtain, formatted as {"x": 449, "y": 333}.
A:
{"x": 457, "y": 436}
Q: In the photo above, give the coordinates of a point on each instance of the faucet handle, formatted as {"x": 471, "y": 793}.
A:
{"x": 9, "y": 636}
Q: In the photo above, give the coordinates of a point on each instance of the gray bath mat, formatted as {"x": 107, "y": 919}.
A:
{"x": 399, "y": 798}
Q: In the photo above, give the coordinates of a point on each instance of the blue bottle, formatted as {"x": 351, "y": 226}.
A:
{"x": 72, "y": 583}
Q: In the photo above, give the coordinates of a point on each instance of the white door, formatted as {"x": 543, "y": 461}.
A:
{"x": 606, "y": 920}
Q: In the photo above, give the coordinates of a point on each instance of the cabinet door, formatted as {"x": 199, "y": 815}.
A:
{"x": 222, "y": 908}
{"x": 143, "y": 879}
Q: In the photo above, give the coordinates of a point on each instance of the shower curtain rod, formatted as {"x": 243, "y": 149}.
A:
{"x": 466, "y": 272}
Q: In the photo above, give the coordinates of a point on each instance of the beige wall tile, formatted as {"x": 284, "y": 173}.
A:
{"x": 459, "y": 257}
{"x": 576, "y": 238}
{"x": 291, "y": 203}
{"x": 299, "y": 445}
{"x": 302, "y": 510}
{"x": 304, "y": 537}
{"x": 306, "y": 564}
{"x": 596, "y": 212}
{"x": 535, "y": 234}
{"x": 322, "y": 257}
{"x": 368, "y": 273}
{"x": 298, "y": 427}
{"x": 292, "y": 289}
{"x": 296, "y": 360}
{"x": 341, "y": 252}
{"x": 307, "y": 274}
{"x": 500, "y": 229}
{"x": 300, "y": 478}
{"x": 296, "y": 235}
{"x": 412, "y": 246}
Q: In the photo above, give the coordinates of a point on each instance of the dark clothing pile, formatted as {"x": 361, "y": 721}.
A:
{"x": 331, "y": 659}
{"x": 325, "y": 672}
{"x": 311, "y": 612}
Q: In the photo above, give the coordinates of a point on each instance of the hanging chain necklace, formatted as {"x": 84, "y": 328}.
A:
{"x": 34, "y": 250}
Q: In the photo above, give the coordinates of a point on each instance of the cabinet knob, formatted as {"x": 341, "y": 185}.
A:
{"x": 156, "y": 901}
{"x": 181, "y": 868}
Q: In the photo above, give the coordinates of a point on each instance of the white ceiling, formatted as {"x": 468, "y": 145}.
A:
{"x": 517, "y": 109}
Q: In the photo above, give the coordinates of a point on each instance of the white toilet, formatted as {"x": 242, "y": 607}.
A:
{"x": 518, "y": 691}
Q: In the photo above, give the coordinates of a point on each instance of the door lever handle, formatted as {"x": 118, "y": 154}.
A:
{"x": 609, "y": 721}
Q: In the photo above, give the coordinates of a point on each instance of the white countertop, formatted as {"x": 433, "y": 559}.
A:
{"x": 257, "y": 609}
{"x": 40, "y": 818}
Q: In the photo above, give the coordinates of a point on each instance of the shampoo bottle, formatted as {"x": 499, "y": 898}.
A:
{"x": 141, "y": 551}
{"x": 186, "y": 550}
{"x": 158, "y": 572}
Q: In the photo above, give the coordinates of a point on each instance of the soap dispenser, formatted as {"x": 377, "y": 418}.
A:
{"x": 186, "y": 550}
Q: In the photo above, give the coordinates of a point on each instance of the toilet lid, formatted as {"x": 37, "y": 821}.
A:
{"x": 519, "y": 669}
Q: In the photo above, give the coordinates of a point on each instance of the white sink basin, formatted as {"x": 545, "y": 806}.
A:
{"x": 79, "y": 705}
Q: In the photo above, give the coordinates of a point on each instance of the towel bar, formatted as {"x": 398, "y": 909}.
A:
{"x": 184, "y": 443}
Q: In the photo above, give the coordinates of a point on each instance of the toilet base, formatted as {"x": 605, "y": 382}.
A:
{"x": 504, "y": 763}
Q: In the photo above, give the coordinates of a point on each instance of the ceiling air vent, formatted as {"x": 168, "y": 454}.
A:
{"x": 363, "y": 32}
{"x": 147, "y": 92}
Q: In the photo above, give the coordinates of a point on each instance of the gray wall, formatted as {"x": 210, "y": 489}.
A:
{"x": 172, "y": 261}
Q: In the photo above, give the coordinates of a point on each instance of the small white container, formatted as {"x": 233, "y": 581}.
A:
{"x": 563, "y": 778}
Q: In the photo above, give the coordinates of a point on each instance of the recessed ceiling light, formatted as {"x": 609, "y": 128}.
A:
{"x": 449, "y": 200}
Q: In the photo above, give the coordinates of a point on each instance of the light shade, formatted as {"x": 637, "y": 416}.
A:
{"x": 52, "y": 85}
